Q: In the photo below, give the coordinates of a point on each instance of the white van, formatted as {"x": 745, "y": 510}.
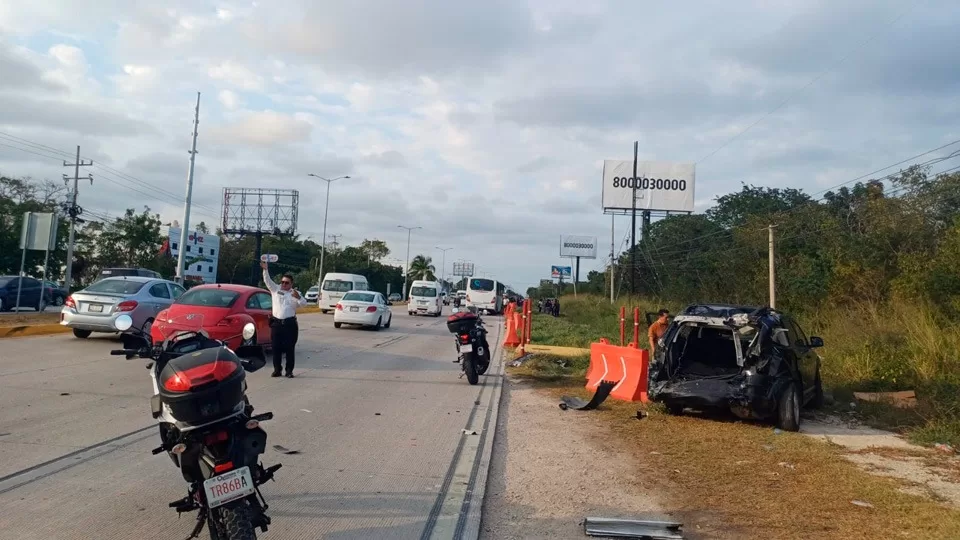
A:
{"x": 335, "y": 285}
{"x": 424, "y": 298}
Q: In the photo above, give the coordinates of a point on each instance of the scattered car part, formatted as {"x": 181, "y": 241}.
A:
{"x": 632, "y": 528}
{"x": 602, "y": 393}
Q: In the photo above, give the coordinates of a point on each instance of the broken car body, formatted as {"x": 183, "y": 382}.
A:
{"x": 755, "y": 362}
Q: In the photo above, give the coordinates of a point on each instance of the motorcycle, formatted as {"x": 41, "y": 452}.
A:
{"x": 473, "y": 351}
{"x": 207, "y": 425}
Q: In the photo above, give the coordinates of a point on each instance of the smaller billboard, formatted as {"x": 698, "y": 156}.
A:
{"x": 463, "y": 269}
{"x": 561, "y": 271}
{"x": 584, "y": 247}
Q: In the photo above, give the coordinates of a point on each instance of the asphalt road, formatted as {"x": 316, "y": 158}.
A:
{"x": 382, "y": 426}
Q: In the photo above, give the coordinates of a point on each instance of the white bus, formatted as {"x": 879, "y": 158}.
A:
{"x": 425, "y": 298}
{"x": 485, "y": 294}
{"x": 335, "y": 285}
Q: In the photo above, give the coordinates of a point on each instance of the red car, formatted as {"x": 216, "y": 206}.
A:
{"x": 224, "y": 309}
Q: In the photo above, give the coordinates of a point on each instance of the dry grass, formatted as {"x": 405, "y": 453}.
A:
{"x": 28, "y": 318}
{"x": 734, "y": 479}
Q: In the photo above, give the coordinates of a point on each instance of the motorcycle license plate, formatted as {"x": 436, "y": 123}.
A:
{"x": 468, "y": 347}
{"x": 228, "y": 487}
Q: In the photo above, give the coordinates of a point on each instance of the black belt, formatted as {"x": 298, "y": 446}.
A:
{"x": 284, "y": 321}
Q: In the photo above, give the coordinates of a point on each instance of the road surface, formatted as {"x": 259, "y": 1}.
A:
{"x": 378, "y": 420}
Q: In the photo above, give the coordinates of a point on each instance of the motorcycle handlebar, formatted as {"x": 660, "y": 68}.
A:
{"x": 118, "y": 352}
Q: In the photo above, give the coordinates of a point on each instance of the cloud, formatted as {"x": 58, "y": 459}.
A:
{"x": 67, "y": 116}
{"x": 21, "y": 74}
{"x": 267, "y": 128}
{"x": 237, "y": 75}
{"x": 391, "y": 159}
{"x": 229, "y": 99}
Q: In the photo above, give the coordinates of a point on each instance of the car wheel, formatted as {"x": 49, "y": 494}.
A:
{"x": 82, "y": 334}
{"x": 817, "y": 401}
{"x": 379, "y": 324}
{"x": 324, "y": 311}
{"x": 788, "y": 414}
{"x": 337, "y": 325}
{"x": 389, "y": 321}
{"x": 58, "y": 301}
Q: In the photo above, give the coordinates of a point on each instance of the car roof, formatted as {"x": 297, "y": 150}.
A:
{"x": 717, "y": 310}
{"x": 230, "y": 287}
{"x": 140, "y": 279}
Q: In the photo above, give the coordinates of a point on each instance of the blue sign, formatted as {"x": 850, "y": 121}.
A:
{"x": 561, "y": 271}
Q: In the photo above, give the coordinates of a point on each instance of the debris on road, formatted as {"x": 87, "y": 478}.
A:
{"x": 945, "y": 448}
{"x": 863, "y": 504}
{"x": 283, "y": 450}
{"x": 64, "y": 393}
{"x": 469, "y": 432}
{"x": 786, "y": 465}
{"x": 641, "y": 414}
{"x": 632, "y": 528}
{"x": 603, "y": 391}
{"x": 306, "y": 410}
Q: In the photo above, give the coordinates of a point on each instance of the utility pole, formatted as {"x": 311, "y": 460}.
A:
{"x": 326, "y": 209}
{"x": 633, "y": 222}
{"x": 186, "y": 204}
{"x": 612, "y": 254}
{"x": 773, "y": 270}
{"x": 406, "y": 270}
{"x": 74, "y": 211}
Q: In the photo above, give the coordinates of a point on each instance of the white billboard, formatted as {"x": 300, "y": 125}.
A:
{"x": 661, "y": 185}
{"x": 202, "y": 256}
{"x": 584, "y": 247}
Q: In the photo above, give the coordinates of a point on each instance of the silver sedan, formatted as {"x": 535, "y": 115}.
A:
{"x": 95, "y": 308}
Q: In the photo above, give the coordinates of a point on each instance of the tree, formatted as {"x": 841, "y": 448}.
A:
{"x": 374, "y": 249}
{"x": 20, "y": 195}
{"x": 422, "y": 268}
{"x": 131, "y": 241}
{"x": 202, "y": 228}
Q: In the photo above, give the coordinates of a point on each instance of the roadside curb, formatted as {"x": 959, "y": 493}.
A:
{"x": 551, "y": 349}
{"x": 32, "y": 330}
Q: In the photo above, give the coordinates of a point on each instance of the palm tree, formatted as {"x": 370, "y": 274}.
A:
{"x": 422, "y": 268}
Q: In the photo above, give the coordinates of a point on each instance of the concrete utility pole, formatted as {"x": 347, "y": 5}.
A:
{"x": 326, "y": 208}
{"x": 612, "y": 255}
{"x": 633, "y": 222}
{"x": 74, "y": 211}
{"x": 186, "y": 203}
{"x": 773, "y": 269}
{"x": 406, "y": 270}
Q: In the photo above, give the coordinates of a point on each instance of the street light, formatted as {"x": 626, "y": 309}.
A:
{"x": 406, "y": 270}
{"x": 323, "y": 240}
{"x": 443, "y": 265}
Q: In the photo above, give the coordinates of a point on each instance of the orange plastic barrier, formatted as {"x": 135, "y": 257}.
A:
{"x": 627, "y": 366}
{"x": 512, "y": 338}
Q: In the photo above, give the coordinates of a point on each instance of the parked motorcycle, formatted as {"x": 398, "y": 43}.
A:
{"x": 206, "y": 422}
{"x": 473, "y": 352}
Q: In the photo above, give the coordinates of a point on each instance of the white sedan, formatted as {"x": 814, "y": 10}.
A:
{"x": 364, "y": 308}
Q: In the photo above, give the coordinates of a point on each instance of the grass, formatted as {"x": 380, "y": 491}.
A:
{"x": 29, "y": 318}
{"x": 730, "y": 478}
{"x": 905, "y": 345}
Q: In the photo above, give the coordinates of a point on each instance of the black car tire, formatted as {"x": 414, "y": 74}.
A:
{"x": 817, "y": 401}
{"x": 58, "y": 301}
{"x": 379, "y": 325}
{"x": 788, "y": 413}
{"x": 337, "y": 325}
{"x": 389, "y": 322}
{"x": 82, "y": 334}
{"x": 675, "y": 410}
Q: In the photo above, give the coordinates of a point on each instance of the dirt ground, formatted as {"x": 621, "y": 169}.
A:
{"x": 29, "y": 317}
{"x": 548, "y": 472}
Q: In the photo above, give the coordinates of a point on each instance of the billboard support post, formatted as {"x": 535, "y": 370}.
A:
{"x": 633, "y": 223}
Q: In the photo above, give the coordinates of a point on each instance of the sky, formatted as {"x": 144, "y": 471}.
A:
{"x": 484, "y": 123}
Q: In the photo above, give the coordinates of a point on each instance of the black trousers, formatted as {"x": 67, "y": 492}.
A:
{"x": 285, "y": 333}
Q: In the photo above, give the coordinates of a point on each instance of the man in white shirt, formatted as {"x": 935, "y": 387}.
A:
{"x": 283, "y": 321}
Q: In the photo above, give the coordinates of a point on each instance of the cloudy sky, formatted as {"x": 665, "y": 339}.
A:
{"x": 485, "y": 123}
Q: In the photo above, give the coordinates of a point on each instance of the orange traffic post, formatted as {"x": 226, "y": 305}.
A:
{"x": 512, "y": 338}
{"x": 529, "y": 320}
{"x": 523, "y": 326}
{"x": 636, "y": 327}
{"x": 626, "y": 366}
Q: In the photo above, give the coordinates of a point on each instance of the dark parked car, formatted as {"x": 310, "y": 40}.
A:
{"x": 756, "y": 362}
{"x": 32, "y": 293}
{"x": 57, "y": 294}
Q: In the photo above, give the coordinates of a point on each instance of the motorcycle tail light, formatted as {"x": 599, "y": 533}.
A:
{"x": 185, "y": 380}
{"x": 215, "y": 438}
{"x": 223, "y": 467}
{"x": 464, "y": 337}
{"x": 179, "y": 449}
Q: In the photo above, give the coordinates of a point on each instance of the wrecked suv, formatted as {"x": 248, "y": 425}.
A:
{"x": 755, "y": 362}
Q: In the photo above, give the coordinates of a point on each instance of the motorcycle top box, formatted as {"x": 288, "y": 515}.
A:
{"x": 203, "y": 386}
{"x": 462, "y": 322}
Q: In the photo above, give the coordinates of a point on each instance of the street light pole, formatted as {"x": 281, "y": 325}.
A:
{"x": 406, "y": 270}
{"x": 323, "y": 240}
{"x": 443, "y": 264}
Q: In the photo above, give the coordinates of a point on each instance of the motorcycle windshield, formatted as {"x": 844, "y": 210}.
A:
{"x": 170, "y": 328}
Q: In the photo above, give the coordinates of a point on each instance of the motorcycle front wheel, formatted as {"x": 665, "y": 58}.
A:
{"x": 469, "y": 367}
{"x": 233, "y": 522}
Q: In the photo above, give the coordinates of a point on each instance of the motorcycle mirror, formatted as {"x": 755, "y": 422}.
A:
{"x": 123, "y": 323}
{"x": 248, "y": 330}
{"x": 251, "y": 357}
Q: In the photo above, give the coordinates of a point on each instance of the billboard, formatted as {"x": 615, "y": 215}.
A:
{"x": 463, "y": 269}
{"x": 661, "y": 185}
{"x": 584, "y": 247}
{"x": 202, "y": 253}
{"x": 561, "y": 271}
